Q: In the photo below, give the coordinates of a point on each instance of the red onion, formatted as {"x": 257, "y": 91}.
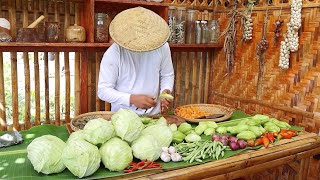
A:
{"x": 242, "y": 143}
{"x": 234, "y": 146}
{"x": 233, "y": 139}
{"x": 215, "y": 137}
{"x": 226, "y": 137}
{"x": 224, "y": 141}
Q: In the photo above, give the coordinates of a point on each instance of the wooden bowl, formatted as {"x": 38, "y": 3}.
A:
{"x": 210, "y": 109}
{"x": 80, "y": 121}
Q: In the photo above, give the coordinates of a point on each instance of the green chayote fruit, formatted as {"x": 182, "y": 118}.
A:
{"x": 245, "y": 135}
{"x": 185, "y": 128}
{"x": 221, "y": 130}
{"x": 256, "y": 130}
{"x": 178, "y": 136}
{"x": 239, "y": 128}
{"x": 280, "y": 124}
{"x": 200, "y": 128}
{"x": 272, "y": 128}
{"x": 209, "y": 131}
{"x": 192, "y": 137}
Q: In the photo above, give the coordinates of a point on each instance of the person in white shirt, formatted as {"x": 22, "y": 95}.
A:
{"x": 138, "y": 66}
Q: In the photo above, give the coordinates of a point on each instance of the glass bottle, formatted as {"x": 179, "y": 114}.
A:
{"x": 172, "y": 24}
{"x": 180, "y": 27}
{"x": 204, "y": 32}
{"x": 190, "y": 29}
{"x": 214, "y": 31}
{"x": 101, "y": 28}
{"x": 198, "y": 32}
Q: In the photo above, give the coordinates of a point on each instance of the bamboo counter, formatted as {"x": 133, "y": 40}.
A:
{"x": 286, "y": 159}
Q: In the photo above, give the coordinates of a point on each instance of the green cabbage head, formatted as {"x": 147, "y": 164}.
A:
{"x": 116, "y": 154}
{"x": 81, "y": 158}
{"x": 77, "y": 135}
{"x": 98, "y": 131}
{"x": 45, "y": 154}
{"x": 162, "y": 134}
{"x": 146, "y": 148}
{"x": 127, "y": 124}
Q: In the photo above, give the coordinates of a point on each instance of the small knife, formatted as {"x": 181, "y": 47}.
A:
{"x": 211, "y": 116}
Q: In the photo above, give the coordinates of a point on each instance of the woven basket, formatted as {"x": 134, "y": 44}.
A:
{"x": 211, "y": 109}
{"x": 89, "y": 116}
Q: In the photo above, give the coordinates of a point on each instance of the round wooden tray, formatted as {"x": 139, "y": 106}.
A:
{"x": 211, "y": 109}
{"x": 88, "y": 116}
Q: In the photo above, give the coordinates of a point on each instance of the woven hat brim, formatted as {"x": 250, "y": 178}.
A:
{"x": 139, "y": 29}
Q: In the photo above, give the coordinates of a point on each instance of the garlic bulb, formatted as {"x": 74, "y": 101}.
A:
{"x": 172, "y": 150}
{"x": 165, "y": 157}
{"x": 176, "y": 157}
{"x": 291, "y": 42}
{"x": 165, "y": 149}
{"x": 247, "y": 27}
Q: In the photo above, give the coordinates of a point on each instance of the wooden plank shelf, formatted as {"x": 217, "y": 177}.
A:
{"x": 132, "y": 2}
{"x": 78, "y": 47}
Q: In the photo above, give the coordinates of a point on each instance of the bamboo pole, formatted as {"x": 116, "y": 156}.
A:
{"x": 89, "y": 81}
{"x": 66, "y": 65}
{"x": 26, "y": 70}
{"x": 201, "y": 72}
{"x": 178, "y": 79}
{"x": 77, "y": 69}
{"x": 208, "y": 59}
{"x": 57, "y": 73}
{"x": 187, "y": 78}
{"x": 194, "y": 79}
{"x": 46, "y": 76}
{"x": 14, "y": 78}
{"x": 98, "y": 59}
{"x": 3, "y": 120}
{"x": 36, "y": 70}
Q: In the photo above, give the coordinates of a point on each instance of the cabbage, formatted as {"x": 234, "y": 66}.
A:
{"x": 77, "y": 135}
{"x": 45, "y": 154}
{"x": 161, "y": 133}
{"x": 127, "y": 124}
{"x": 116, "y": 154}
{"x": 162, "y": 121}
{"x": 98, "y": 131}
{"x": 81, "y": 158}
{"x": 146, "y": 148}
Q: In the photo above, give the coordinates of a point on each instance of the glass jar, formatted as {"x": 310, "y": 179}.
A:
{"x": 198, "y": 32}
{"x": 75, "y": 34}
{"x": 180, "y": 27}
{"x": 190, "y": 29}
{"x": 172, "y": 24}
{"x": 214, "y": 31}
{"x": 204, "y": 32}
{"x": 51, "y": 31}
{"x": 101, "y": 28}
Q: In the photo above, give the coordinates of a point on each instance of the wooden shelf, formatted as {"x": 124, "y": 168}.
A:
{"x": 70, "y": 47}
{"x": 132, "y": 2}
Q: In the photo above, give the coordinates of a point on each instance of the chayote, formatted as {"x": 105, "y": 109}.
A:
{"x": 244, "y": 121}
{"x": 192, "y": 137}
{"x": 200, "y": 128}
{"x": 209, "y": 131}
{"x": 262, "y": 129}
{"x": 239, "y": 128}
{"x": 256, "y": 130}
{"x": 245, "y": 135}
{"x": 185, "y": 128}
{"x": 221, "y": 130}
{"x": 178, "y": 136}
{"x": 280, "y": 124}
{"x": 272, "y": 128}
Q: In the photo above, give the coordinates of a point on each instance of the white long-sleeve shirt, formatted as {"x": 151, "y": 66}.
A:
{"x": 124, "y": 72}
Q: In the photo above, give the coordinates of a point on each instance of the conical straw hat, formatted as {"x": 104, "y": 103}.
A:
{"x": 139, "y": 29}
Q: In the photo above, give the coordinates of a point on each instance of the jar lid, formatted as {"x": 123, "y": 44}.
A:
{"x": 4, "y": 23}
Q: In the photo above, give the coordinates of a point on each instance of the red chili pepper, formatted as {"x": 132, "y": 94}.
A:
{"x": 258, "y": 142}
{"x": 283, "y": 131}
{"x": 292, "y": 132}
{"x": 270, "y": 137}
{"x": 250, "y": 142}
{"x": 265, "y": 141}
{"x": 275, "y": 134}
{"x": 286, "y": 135}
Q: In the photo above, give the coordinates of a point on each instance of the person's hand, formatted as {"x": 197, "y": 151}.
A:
{"x": 165, "y": 102}
{"x": 142, "y": 101}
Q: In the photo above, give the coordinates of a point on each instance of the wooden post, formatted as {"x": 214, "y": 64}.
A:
{"x": 84, "y": 83}
{"x": 66, "y": 65}
{"x": 3, "y": 120}
{"x": 46, "y": 76}
{"x": 57, "y": 73}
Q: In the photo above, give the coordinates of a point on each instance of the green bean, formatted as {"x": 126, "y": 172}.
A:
{"x": 199, "y": 160}
{"x": 222, "y": 153}
{"x": 218, "y": 151}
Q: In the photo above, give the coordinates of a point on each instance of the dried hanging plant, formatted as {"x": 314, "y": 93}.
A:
{"x": 262, "y": 47}
{"x": 247, "y": 22}
{"x": 278, "y": 26}
{"x": 229, "y": 46}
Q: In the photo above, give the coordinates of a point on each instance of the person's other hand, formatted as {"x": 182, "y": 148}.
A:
{"x": 165, "y": 102}
{"x": 142, "y": 101}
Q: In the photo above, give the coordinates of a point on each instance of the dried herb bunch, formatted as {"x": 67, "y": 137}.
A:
{"x": 278, "y": 27}
{"x": 247, "y": 22}
{"x": 229, "y": 46}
